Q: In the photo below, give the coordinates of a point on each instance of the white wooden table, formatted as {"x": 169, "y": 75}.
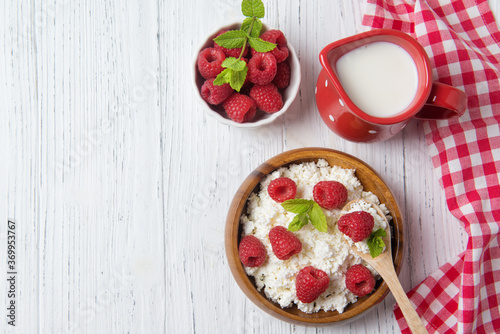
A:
{"x": 119, "y": 184}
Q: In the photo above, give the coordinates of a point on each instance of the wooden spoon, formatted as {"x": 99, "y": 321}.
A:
{"x": 384, "y": 266}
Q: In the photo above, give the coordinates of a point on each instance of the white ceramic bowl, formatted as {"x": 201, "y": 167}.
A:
{"x": 261, "y": 118}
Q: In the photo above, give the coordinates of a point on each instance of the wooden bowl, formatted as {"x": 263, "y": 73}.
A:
{"x": 370, "y": 180}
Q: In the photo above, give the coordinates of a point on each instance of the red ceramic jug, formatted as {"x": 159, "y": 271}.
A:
{"x": 433, "y": 100}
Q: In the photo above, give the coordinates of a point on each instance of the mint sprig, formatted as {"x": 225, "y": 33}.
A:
{"x": 306, "y": 211}
{"x": 251, "y": 8}
{"x": 375, "y": 243}
{"x": 257, "y": 26}
{"x": 232, "y": 39}
{"x": 235, "y": 69}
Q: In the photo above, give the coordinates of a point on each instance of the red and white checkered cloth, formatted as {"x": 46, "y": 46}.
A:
{"x": 463, "y": 42}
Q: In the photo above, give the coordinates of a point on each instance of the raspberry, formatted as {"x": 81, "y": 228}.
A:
{"x": 330, "y": 194}
{"x": 359, "y": 280}
{"x": 282, "y": 78}
{"x": 284, "y": 243}
{"x": 281, "y": 189}
{"x": 267, "y": 97}
{"x": 240, "y": 108}
{"x": 251, "y": 251}
{"x": 262, "y": 68}
{"x": 310, "y": 284}
{"x": 230, "y": 52}
{"x": 280, "y": 52}
{"x": 215, "y": 94}
{"x": 357, "y": 225}
{"x": 210, "y": 62}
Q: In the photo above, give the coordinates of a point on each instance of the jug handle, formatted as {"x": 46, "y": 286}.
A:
{"x": 444, "y": 102}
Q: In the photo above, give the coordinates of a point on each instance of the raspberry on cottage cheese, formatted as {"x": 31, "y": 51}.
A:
{"x": 379, "y": 222}
{"x": 329, "y": 252}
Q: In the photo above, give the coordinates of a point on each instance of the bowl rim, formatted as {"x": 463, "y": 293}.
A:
{"x": 233, "y": 233}
{"x": 292, "y": 90}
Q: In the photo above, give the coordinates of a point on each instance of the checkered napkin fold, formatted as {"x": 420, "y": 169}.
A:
{"x": 463, "y": 42}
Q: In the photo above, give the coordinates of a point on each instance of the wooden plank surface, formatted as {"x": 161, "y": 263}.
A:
{"x": 119, "y": 183}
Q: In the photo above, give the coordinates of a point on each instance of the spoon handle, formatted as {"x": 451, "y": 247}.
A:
{"x": 389, "y": 275}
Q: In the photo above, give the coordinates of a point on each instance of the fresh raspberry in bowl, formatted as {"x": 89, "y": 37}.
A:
{"x": 210, "y": 62}
{"x": 286, "y": 78}
{"x": 277, "y": 37}
{"x": 282, "y": 78}
{"x": 251, "y": 251}
{"x": 330, "y": 194}
{"x": 282, "y": 189}
{"x": 356, "y": 225}
{"x": 285, "y": 244}
{"x": 310, "y": 284}
{"x": 267, "y": 97}
{"x": 262, "y": 68}
{"x": 240, "y": 108}
{"x": 215, "y": 94}
{"x": 359, "y": 280}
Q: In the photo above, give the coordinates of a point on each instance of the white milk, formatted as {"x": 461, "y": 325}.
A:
{"x": 380, "y": 78}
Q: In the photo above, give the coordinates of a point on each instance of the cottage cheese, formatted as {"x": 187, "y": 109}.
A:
{"x": 329, "y": 251}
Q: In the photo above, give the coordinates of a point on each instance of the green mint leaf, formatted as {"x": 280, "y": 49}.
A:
{"x": 318, "y": 218}
{"x": 260, "y": 45}
{"x": 378, "y": 233}
{"x": 232, "y": 39}
{"x": 224, "y": 77}
{"x": 298, "y": 205}
{"x": 295, "y": 224}
{"x": 376, "y": 246}
{"x": 256, "y": 29}
{"x": 238, "y": 78}
{"x": 298, "y": 222}
{"x": 375, "y": 243}
{"x": 252, "y": 8}
{"x": 234, "y": 64}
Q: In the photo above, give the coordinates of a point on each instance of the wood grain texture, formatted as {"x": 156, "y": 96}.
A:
{"x": 119, "y": 183}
